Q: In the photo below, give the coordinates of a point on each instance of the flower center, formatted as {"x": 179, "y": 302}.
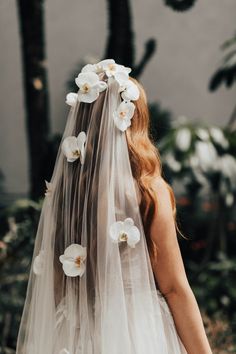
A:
{"x": 85, "y": 88}
{"x": 123, "y": 236}
{"x": 122, "y": 114}
{"x": 76, "y": 153}
{"x": 112, "y": 67}
{"x": 78, "y": 261}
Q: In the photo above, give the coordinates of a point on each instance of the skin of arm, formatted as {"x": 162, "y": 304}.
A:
{"x": 170, "y": 275}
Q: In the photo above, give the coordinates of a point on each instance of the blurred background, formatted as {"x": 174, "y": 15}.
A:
{"x": 184, "y": 53}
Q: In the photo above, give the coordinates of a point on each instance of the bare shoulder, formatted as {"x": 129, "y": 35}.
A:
{"x": 163, "y": 228}
{"x": 164, "y": 202}
{"x": 168, "y": 264}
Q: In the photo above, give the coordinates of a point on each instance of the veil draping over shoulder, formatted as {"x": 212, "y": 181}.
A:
{"x": 91, "y": 288}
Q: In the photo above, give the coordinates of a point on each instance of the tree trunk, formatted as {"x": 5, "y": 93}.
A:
{"x": 120, "y": 43}
{"x": 31, "y": 22}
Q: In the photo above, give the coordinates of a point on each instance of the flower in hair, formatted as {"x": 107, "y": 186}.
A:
{"x": 110, "y": 68}
{"x": 122, "y": 116}
{"x": 71, "y": 99}
{"x": 91, "y": 83}
{"x": 74, "y": 147}
{"x": 99, "y": 67}
{"x": 89, "y": 86}
{"x": 116, "y": 70}
{"x": 129, "y": 91}
{"x": 73, "y": 260}
{"x": 125, "y": 231}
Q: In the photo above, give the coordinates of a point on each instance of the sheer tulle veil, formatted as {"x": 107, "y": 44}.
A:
{"x": 91, "y": 288}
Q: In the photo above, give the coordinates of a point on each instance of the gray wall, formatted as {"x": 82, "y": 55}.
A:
{"x": 177, "y": 75}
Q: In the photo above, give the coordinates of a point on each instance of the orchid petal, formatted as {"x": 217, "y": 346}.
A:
{"x": 183, "y": 139}
{"x": 121, "y": 78}
{"x": 90, "y": 96}
{"x": 62, "y": 258}
{"x": 129, "y": 222}
{"x": 89, "y": 68}
{"x": 131, "y": 91}
{"x": 121, "y": 124}
{"x": 75, "y": 250}
{"x": 38, "y": 263}
{"x": 71, "y": 269}
{"x": 68, "y": 146}
{"x": 105, "y": 62}
{"x": 122, "y": 68}
{"x": 102, "y": 86}
{"x": 89, "y": 78}
{"x": 115, "y": 230}
{"x": 81, "y": 139}
{"x": 202, "y": 134}
{"x": 133, "y": 236}
{"x": 72, "y": 99}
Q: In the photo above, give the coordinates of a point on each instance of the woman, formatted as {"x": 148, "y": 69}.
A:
{"x": 107, "y": 275}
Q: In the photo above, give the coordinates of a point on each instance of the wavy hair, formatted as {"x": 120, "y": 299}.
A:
{"x": 146, "y": 164}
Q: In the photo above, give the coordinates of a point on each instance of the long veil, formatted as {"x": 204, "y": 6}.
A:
{"x": 109, "y": 304}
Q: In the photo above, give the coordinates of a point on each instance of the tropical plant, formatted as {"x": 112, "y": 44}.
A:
{"x": 18, "y": 229}
{"x": 226, "y": 73}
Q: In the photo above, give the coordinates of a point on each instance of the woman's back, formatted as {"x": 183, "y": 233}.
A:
{"x": 91, "y": 288}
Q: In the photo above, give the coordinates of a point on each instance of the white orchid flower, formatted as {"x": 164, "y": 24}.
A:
{"x": 173, "y": 164}
{"x": 119, "y": 72}
{"x": 183, "y": 139}
{"x": 121, "y": 231}
{"x": 114, "y": 69}
{"x": 89, "y": 86}
{"x": 194, "y": 161}
{"x": 129, "y": 90}
{"x": 48, "y": 191}
{"x": 122, "y": 116}
{"x": 226, "y": 164}
{"x": 74, "y": 147}
{"x": 38, "y": 264}
{"x": 72, "y": 99}
{"x": 202, "y": 134}
{"x": 99, "y": 67}
{"x": 206, "y": 154}
{"x": 104, "y": 64}
{"x": 108, "y": 66}
{"x": 89, "y": 68}
{"x": 219, "y": 137}
{"x": 73, "y": 260}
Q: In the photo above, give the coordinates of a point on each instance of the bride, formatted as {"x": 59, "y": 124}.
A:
{"x": 107, "y": 275}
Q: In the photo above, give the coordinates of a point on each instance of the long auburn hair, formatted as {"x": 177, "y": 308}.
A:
{"x": 146, "y": 164}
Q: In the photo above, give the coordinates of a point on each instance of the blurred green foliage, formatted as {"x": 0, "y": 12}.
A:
{"x": 18, "y": 228}
{"x": 226, "y": 73}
